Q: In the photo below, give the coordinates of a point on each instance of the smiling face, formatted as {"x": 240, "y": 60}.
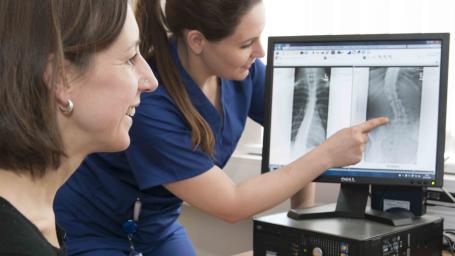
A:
{"x": 106, "y": 95}
{"x": 232, "y": 57}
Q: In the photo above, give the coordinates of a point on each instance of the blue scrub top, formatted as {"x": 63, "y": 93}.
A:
{"x": 99, "y": 197}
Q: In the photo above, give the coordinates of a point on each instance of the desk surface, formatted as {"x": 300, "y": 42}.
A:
{"x": 250, "y": 253}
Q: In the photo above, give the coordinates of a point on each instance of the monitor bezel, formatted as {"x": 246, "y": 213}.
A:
{"x": 443, "y": 37}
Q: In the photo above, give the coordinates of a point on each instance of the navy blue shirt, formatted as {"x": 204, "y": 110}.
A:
{"x": 99, "y": 197}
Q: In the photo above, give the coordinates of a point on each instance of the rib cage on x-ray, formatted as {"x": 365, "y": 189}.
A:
{"x": 310, "y": 107}
{"x": 394, "y": 92}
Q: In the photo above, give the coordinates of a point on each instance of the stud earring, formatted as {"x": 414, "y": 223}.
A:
{"x": 68, "y": 108}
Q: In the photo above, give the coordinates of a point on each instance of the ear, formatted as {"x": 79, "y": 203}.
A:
{"x": 196, "y": 41}
{"x": 56, "y": 81}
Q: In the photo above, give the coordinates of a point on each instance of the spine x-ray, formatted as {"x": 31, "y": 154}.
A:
{"x": 310, "y": 108}
{"x": 394, "y": 92}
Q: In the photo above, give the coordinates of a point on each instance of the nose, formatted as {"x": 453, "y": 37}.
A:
{"x": 147, "y": 81}
{"x": 258, "y": 51}
{"x": 148, "y": 84}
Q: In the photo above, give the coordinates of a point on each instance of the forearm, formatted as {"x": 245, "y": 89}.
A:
{"x": 268, "y": 190}
{"x": 304, "y": 198}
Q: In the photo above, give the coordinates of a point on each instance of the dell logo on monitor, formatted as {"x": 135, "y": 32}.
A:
{"x": 347, "y": 179}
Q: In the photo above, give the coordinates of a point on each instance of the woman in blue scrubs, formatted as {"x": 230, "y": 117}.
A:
{"x": 183, "y": 135}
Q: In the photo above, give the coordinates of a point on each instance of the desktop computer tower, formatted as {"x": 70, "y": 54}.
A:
{"x": 277, "y": 235}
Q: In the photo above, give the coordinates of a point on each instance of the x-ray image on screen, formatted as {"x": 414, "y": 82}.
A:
{"x": 394, "y": 92}
{"x": 309, "y": 108}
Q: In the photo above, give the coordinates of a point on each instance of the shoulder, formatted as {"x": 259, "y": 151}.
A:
{"x": 159, "y": 103}
{"x": 158, "y": 109}
{"x": 10, "y": 220}
{"x": 19, "y": 237}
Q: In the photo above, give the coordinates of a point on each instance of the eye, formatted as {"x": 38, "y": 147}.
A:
{"x": 247, "y": 44}
{"x": 131, "y": 61}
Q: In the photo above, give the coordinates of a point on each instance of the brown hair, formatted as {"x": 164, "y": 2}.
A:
{"x": 201, "y": 15}
{"x": 31, "y": 33}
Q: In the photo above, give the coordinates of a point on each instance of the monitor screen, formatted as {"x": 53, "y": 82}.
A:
{"x": 318, "y": 85}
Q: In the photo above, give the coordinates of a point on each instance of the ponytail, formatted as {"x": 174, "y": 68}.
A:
{"x": 155, "y": 44}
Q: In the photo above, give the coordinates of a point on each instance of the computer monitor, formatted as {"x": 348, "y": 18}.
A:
{"x": 317, "y": 85}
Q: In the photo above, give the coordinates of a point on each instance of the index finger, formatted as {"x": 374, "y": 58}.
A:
{"x": 372, "y": 124}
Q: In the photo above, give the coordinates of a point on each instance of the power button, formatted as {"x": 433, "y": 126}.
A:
{"x": 317, "y": 251}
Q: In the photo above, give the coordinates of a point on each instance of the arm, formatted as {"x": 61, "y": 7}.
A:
{"x": 214, "y": 192}
{"x": 304, "y": 198}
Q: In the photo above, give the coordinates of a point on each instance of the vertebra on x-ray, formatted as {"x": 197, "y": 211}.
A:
{"x": 310, "y": 107}
{"x": 394, "y": 92}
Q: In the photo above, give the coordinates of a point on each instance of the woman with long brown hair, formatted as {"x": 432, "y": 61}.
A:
{"x": 70, "y": 79}
{"x": 185, "y": 132}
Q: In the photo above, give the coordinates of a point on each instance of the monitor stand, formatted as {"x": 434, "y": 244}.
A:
{"x": 351, "y": 203}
